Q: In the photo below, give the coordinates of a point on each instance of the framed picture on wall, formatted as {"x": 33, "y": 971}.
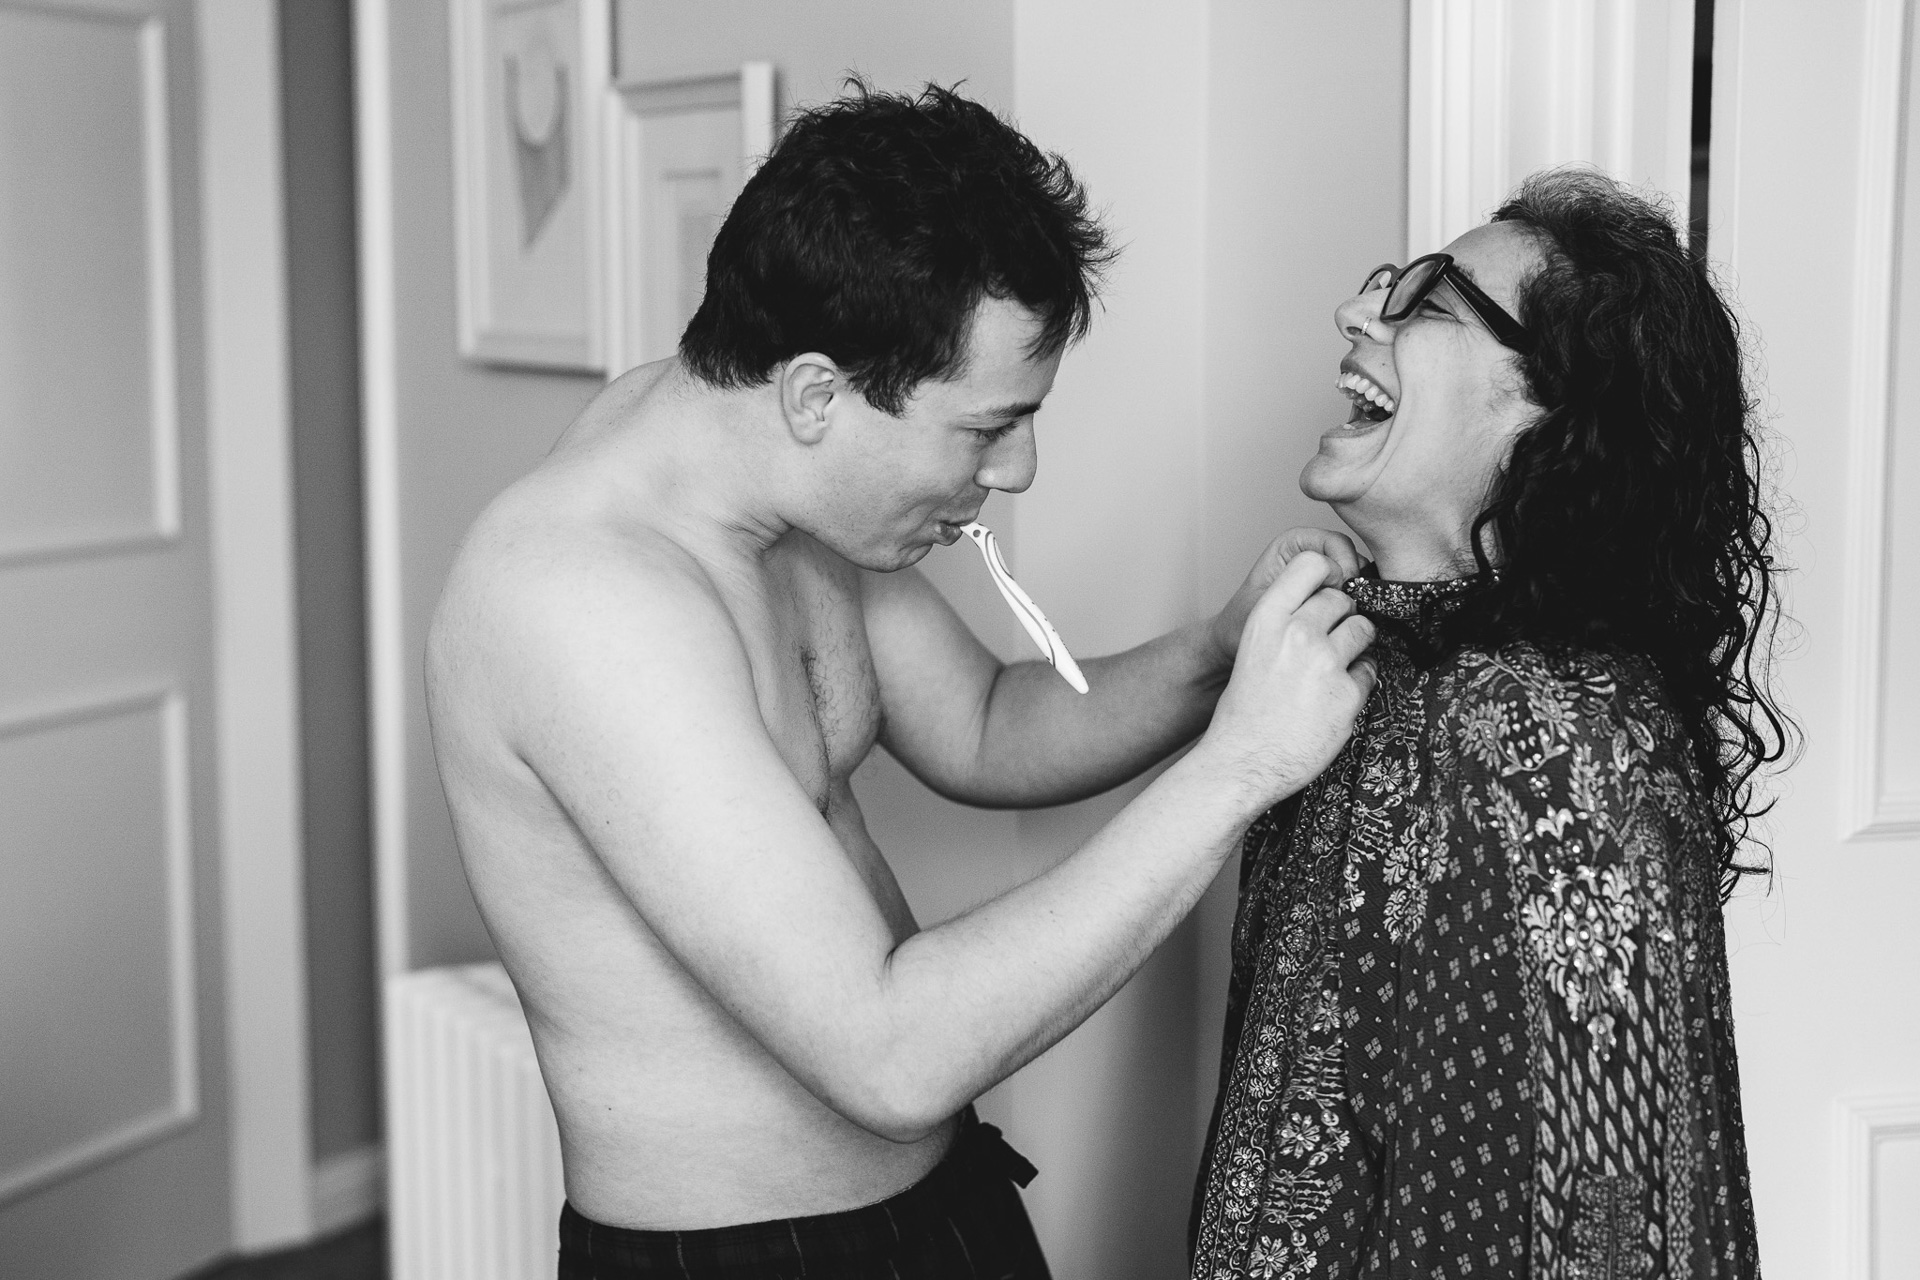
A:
{"x": 676, "y": 153}
{"x": 529, "y": 83}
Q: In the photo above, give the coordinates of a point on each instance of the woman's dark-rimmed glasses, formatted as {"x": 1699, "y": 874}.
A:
{"x": 1407, "y": 287}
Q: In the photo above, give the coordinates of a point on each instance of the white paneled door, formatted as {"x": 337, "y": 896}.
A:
{"x": 1815, "y": 213}
{"x": 113, "y": 1137}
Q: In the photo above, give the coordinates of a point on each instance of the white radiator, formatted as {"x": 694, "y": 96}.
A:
{"x": 473, "y": 1154}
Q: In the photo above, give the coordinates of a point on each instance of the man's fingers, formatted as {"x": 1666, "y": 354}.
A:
{"x": 1336, "y": 547}
{"x": 1305, "y": 574}
{"x": 1351, "y": 638}
{"x": 1365, "y": 676}
{"x": 1325, "y": 608}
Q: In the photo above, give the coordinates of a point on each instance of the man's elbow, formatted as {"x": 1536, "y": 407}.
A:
{"x": 903, "y": 1106}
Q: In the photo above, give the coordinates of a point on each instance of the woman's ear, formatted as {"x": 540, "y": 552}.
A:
{"x": 809, "y": 384}
{"x": 1511, "y": 403}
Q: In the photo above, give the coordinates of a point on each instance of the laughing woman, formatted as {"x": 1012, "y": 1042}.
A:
{"x": 1478, "y": 1022}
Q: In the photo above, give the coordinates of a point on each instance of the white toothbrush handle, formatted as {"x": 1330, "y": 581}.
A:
{"x": 1051, "y": 646}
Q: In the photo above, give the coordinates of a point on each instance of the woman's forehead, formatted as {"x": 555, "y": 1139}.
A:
{"x": 1497, "y": 257}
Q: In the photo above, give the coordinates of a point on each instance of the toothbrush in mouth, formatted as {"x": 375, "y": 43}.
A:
{"x": 1051, "y": 646}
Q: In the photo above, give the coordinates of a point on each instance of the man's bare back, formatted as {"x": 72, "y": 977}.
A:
{"x": 671, "y": 1114}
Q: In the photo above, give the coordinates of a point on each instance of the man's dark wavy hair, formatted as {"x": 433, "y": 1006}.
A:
{"x": 1630, "y": 515}
{"x": 872, "y": 233}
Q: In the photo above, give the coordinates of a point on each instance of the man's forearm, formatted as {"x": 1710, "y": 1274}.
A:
{"x": 1041, "y": 743}
{"x": 970, "y": 1001}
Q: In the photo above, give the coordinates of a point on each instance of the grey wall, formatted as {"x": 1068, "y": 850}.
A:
{"x": 465, "y": 432}
{"x": 317, "y": 101}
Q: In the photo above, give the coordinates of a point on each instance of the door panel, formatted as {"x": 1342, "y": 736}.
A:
{"x": 102, "y": 785}
{"x": 86, "y": 352}
{"x": 113, "y": 1143}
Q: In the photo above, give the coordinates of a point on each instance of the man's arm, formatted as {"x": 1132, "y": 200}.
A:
{"x": 1014, "y": 735}
{"x": 635, "y": 706}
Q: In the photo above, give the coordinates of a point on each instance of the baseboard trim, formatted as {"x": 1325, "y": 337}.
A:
{"x": 349, "y": 1188}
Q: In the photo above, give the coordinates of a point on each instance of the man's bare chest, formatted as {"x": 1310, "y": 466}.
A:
{"x": 813, "y": 674}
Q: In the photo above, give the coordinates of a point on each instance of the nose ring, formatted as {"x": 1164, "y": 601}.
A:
{"x": 1366, "y": 327}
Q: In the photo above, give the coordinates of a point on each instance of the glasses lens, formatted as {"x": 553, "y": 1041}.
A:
{"x": 1415, "y": 283}
{"x": 1378, "y": 278}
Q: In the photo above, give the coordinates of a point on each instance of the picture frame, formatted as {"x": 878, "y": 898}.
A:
{"x": 529, "y": 84}
{"x": 676, "y": 153}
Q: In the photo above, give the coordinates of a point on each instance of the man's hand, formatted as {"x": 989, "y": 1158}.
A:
{"x": 1232, "y": 619}
{"x": 1298, "y": 682}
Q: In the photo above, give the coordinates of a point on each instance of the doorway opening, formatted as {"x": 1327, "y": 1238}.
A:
{"x": 1702, "y": 127}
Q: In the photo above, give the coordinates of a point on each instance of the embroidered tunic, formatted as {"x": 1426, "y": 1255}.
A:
{"x": 1478, "y": 1022}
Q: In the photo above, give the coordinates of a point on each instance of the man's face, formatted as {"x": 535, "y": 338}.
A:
{"x": 1455, "y": 394}
{"x": 900, "y": 485}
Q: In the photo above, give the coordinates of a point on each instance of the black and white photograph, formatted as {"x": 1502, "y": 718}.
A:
{"x": 936, "y": 640}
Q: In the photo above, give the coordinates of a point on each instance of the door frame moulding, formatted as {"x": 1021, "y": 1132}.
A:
{"x": 262, "y": 859}
{"x": 380, "y": 465}
{"x": 1873, "y": 808}
{"x": 1498, "y": 88}
{"x": 1457, "y": 109}
{"x": 1865, "y": 1124}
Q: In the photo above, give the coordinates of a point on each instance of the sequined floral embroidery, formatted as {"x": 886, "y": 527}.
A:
{"x": 1581, "y": 924}
{"x": 1412, "y": 862}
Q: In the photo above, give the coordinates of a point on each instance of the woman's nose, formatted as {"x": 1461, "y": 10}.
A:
{"x": 1359, "y": 317}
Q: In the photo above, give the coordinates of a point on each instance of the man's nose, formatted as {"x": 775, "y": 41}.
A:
{"x": 1359, "y": 317}
{"x": 1010, "y": 464}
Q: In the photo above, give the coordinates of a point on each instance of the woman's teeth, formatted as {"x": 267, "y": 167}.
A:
{"x": 1368, "y": 396}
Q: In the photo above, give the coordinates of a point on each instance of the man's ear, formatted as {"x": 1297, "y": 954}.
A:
{"x": 809, "y": 384}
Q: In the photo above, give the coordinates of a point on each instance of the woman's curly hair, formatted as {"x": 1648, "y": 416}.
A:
{"x": 1630, "y": 514}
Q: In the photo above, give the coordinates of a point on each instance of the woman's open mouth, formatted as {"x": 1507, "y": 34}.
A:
{"x": 1371, "y": 403}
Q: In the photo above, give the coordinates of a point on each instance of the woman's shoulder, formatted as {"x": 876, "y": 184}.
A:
{"x": 1546, "y": 698}
{"x": 1570, "y": 758}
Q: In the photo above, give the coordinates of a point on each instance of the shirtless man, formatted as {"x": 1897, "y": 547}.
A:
{"x": 661, "y": 656}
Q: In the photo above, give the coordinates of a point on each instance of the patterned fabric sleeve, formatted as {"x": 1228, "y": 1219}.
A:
{"x": 1566, "y": 785}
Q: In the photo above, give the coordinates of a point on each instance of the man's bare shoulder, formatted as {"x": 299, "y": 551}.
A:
{"x": 536, "y": 590}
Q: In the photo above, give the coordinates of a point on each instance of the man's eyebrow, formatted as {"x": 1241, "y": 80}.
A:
{"x": 1005, "y": 411}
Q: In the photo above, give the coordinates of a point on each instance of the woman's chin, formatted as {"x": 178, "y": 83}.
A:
{"x": 1335, "y": 474}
